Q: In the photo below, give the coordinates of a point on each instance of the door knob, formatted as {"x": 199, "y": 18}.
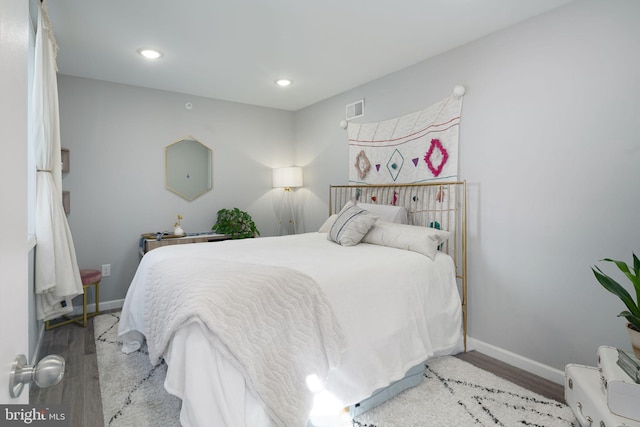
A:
{"x": 46, "y": 373}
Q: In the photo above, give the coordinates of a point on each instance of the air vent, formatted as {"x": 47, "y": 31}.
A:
{"x": 355, "y": 110}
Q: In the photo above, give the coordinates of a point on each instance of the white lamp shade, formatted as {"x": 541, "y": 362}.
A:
{"x": 287, "y": 177}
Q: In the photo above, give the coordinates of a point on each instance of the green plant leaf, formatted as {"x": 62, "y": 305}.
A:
{"x": 236, "y": 223}
{"x": 615, "y": 288}
{"x": 633, "y": 278}
{"x": 622, "y": 266}
{"x": 634, "y": 320}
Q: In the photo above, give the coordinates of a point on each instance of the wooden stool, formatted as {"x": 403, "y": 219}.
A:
{"x": 89, "y": 278}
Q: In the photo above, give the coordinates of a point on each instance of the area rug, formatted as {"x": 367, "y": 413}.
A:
{"x": 453, "y": 393}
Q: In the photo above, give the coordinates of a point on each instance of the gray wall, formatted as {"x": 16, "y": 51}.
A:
{"x": 550, "y": 149}
{"x": 117, "y": 135}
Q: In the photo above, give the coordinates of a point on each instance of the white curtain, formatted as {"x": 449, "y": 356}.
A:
{"x": 57, "y": 277}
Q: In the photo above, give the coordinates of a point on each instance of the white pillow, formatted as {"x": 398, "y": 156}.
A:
{"x": 324, "y": 228}
{"x": 389, "y": 213}
{"x": 424, "y": 240}
{"x": 350, "y": 225}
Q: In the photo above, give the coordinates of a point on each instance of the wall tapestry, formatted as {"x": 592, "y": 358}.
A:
{"x": 417, "y": 147}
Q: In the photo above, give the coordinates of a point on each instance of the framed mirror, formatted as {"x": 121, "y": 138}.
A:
{"x": 188, "y": 168}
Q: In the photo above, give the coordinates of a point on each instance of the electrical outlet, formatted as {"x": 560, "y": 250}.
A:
{"x": 106, "y": 270}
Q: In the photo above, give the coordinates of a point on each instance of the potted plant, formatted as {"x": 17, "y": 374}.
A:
{"x": 236, "y": 223}
{"x": 632, "y": 314}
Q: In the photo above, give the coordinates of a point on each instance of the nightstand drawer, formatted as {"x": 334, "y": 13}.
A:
{"x": 147, "y": 245}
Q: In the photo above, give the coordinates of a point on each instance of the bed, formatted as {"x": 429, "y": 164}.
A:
{"x": 339, "y": 324}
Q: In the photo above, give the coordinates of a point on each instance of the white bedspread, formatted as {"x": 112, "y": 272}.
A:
{"x": 396, "y": 308}
{"x": 273, "y": 324}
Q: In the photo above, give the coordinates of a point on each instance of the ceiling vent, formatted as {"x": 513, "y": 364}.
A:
{"x": 355, "y": 110}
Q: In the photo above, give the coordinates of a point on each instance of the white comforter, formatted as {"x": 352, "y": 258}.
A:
{"x": 275, "y": 324}
{"x": 397, "y": 308}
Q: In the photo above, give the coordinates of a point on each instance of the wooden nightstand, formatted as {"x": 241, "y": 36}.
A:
{"x": 147, "y": 244}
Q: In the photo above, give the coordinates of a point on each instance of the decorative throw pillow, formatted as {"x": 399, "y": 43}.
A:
{"x": 389, "y": 213}
{"x": 350, "y": 225}
{"x": 324, "y": 228}
{"x": 424, "y": 240}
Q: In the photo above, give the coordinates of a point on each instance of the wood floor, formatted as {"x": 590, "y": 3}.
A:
{"x": 80, "y": 389}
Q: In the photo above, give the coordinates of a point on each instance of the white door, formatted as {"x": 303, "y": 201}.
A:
{"x": 14, "y": 290}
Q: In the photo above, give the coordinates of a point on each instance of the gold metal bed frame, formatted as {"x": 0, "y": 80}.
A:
{"x": 435, "y": 204}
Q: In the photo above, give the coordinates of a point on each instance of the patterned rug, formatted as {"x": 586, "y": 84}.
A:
{"x": 453, "y": 393}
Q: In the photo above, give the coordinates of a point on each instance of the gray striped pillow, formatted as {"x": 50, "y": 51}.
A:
{"x": 351, "y": 224}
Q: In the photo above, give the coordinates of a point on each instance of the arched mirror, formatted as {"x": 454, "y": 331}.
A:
{"x": 188, "y": 168}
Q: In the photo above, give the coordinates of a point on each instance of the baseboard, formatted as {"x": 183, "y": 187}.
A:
{"x": 529, "y": 365}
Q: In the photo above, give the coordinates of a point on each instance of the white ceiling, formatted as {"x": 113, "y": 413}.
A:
{"x": 235, "y": 49}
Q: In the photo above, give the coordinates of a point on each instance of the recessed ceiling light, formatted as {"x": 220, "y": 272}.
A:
{"x": 150, "y": 53}
{"x": 283, "y": 82}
